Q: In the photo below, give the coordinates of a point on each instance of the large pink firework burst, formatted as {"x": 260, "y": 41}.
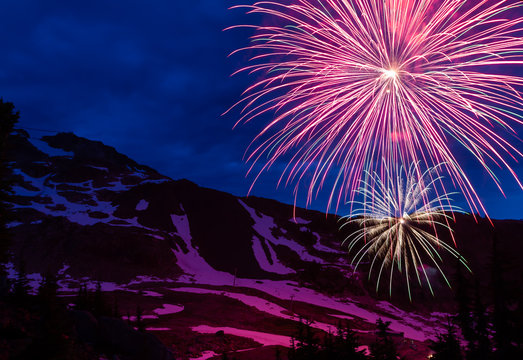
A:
{"x": 356, "y": 84}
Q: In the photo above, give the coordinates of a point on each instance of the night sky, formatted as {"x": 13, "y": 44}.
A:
{"x": 152, "y": 79}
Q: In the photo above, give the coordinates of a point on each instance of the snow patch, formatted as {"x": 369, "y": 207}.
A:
{"x": 205, "y": 355}
{"x": 142, "y": 205}
{"x": 21, "y": 191}
{"x": 344, "y": 317}
{"x": 265, "y": 339}
{"x": 159, "y": 237}
{"x": 13, "y": 224}
{"x": 258, "y": 303}
{"x": 413, "y": 326}
{"x": 63, "y": 270}
{"x": 263, "y": 225}
{"x": 300, "y": 221}
{"x": 260, "y": 255}
{"x": 74, "y": 212}
{"x": 181, "y": 223}
{"x": 364, "y": 349}
{"x": 141, "y": 279}
{"x": 99, "y": 168}
{"x": 117, "y": 186}
{"x": 49, "y": 150}
{"x": 168, "y": 309}
{"x": 196, "y": 269}
{"x": 34, "y": 279}
{"x": 320, "y": 247}
{"x": 9, "y": 268}
{"x": 133, "y": 317}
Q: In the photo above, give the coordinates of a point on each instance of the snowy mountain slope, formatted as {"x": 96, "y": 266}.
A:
{"x": 88, "y": 213}
{"x": 90, "y": 185}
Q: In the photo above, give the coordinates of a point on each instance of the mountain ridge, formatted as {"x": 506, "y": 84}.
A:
{"x": 89, "y": 213}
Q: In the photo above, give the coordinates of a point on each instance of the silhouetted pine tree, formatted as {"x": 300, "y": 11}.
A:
{"x": 464, "y": 315}
{"x": 327, "y": 350}
{"x": 94, "y": 302}
{"x": 116, "y": 310}
{"x": 346, "y": 343}
{"x": 499, "y": 315}
{"x": 383, "y": 348}
{"x": 517, "y": 332}
{"x": 225, "y": 356}
{"x": 47, "y": 292}
{"x": 305, "y": 345}
{"x": 54, "y": 339}
{"x": 21, "y": 284}
{"x": 129, "y": 322}
{"x": 506, "y": 323}
{"x": 482, "y": 349}
{"x": 339, "y": 346}
{"x": 100, "y": 307}
{"x": 447, "y": 347}
{"x": 82, "y": 298}
{"x": 8, "y": 118}
{"x": 139, "y": 323}
{"x": 291, "y": 353}
{"x": 277, "y": 354}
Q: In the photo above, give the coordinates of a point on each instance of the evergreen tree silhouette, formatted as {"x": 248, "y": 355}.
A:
{"x": 305, "y": 345}
{"x": 482, "y": 349}
{"x": 116, "y": 310}
{"x": 129, "y": 322}
{"x": 54, "y": 338}
{"x": 291, "y": 354}
{"x": 139, "y": 323}
{"x": 328, "y": 350}
{"x": 99, "y": 306}
{"x": 346, "y": 343}
{"x": 339, "y": 346}
{"x": 383, "y": 348}
{"x": 277, "y": 354}
{"x": 506, "y": 314}
{"x": 464, "y": 316}
{"x": 447, "y": 346}
{"x": 21, "y": 284}
{"x": 82, "y": 298}
{"x": 8, "y": 119}
{"x": 499, "y": 316}
{"x": 48, "y": 291}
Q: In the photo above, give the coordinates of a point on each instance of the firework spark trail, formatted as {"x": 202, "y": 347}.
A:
{"x": 359, "y": 84}
{"x": 393, "y": 215}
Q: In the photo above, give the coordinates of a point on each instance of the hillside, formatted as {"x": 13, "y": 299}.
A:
{"x": 200, "y": 261}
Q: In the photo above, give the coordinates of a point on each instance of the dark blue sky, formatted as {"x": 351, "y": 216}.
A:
{"x": 152, "y": 79}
